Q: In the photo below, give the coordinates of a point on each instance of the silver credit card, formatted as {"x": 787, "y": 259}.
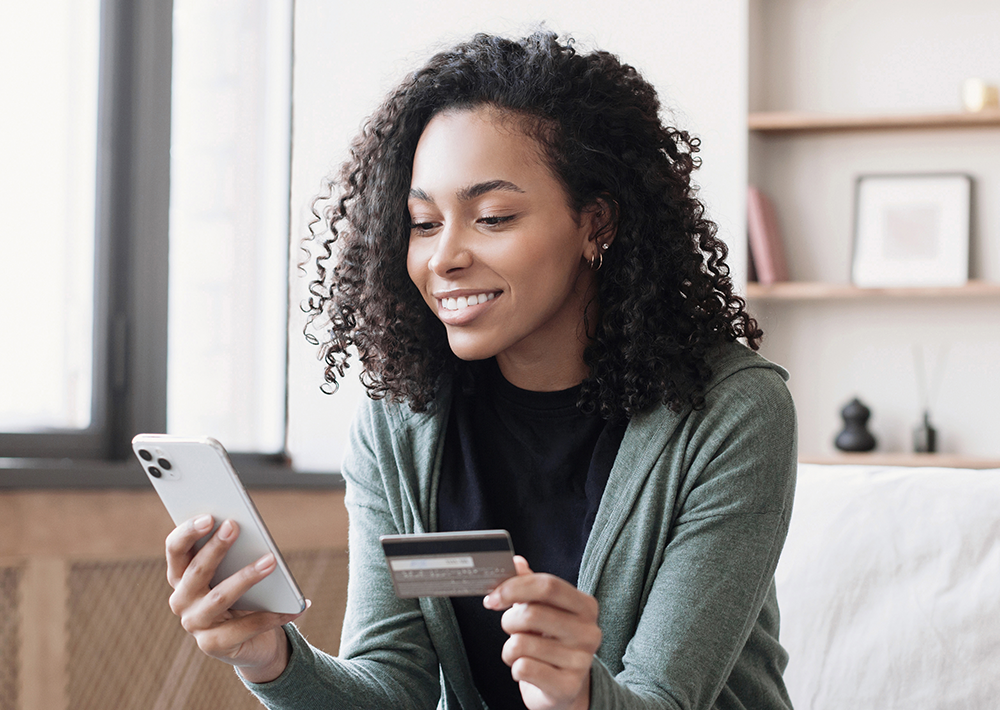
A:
{"x": 450, "y": 564}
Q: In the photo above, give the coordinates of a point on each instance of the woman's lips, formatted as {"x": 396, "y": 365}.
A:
{"x": 460, "y": 310}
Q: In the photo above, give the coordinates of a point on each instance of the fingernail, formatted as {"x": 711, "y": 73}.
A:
{"x": 490, "y": 600}
{"x": 264, "y": 562}
{"x": 202, "y": 523}
{"x": 226, "y": 530}
{"x": 297, "y": 614}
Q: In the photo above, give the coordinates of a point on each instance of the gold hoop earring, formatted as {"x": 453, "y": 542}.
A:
{"x": 597, "y": 260}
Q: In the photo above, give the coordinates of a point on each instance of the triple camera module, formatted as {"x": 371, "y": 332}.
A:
{"x": 164, "y": 464}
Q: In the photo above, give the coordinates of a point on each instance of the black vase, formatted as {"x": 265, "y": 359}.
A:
{"x": 925, "y": 437}
{"x": 855, "y": 436}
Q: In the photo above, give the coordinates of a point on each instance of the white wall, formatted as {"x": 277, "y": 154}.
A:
{"x": 878, "y": 56}
{"x": 870, "y": 56}
{"x": 347, "y": 55}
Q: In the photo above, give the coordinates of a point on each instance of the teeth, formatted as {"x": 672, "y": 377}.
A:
{"x": 457, "y": 304}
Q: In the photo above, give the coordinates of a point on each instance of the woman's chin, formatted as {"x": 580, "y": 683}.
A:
{"x": 472, "y": 355}
{"x": 469, "y": 351}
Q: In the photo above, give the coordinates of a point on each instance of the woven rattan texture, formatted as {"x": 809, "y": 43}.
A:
{"x": 127, "y": 651}
{"x": 9, "y": 639}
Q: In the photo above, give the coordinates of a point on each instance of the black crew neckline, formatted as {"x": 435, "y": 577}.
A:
{"x": 552, "y": 401}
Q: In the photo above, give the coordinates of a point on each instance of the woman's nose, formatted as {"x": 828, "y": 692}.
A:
{"x": 451, "y": 251}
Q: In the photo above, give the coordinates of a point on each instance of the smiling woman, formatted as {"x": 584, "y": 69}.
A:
{"x": 550, "y": 342}
{"x": 497, "y": 252}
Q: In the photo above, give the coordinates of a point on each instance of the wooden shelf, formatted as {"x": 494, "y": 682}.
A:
{"x": 779, "y": 122}
{"x": 818, "y": 291}
{"x": 902, "y": 459}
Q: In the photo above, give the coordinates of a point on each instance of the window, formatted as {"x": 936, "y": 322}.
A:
{"x": 47, "y": 198}
{"x": 92, "y": 109}
{"x": 144, "y": 264}
{"x": 229, "y": 168}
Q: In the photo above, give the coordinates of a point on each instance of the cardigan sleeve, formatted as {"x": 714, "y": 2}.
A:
{"x": 386, "y": 657}
{"x": 706, "y": 631}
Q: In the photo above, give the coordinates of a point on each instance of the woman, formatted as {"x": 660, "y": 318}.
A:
{"x": 549, "y": 337}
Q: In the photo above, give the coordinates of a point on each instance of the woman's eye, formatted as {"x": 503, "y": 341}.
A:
{"x": 421, "y": 226}
{"x": 495, "y": 220}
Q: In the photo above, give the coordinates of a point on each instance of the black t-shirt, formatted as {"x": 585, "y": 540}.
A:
{"x": 532, "y": 464}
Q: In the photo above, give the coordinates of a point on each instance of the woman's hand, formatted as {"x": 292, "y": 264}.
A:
{"x": 252, "y": 641}
{"x": 553, "y": 637}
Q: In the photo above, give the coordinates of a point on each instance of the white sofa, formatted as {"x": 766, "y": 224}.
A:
{"x": 889, "y": 588}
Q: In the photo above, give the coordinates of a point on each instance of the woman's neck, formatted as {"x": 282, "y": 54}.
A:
{"x": 544, "y": 371}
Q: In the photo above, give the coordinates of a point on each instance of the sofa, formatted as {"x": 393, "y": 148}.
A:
{"x": 889, "y": 588}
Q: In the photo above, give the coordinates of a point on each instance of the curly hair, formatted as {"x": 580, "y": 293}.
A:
{"x": 664, "y": 295}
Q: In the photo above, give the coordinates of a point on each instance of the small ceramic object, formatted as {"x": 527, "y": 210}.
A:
{"x": 855, "y": 436}
{"x": 925, "y": 437}
{"x": 977, "y": 95}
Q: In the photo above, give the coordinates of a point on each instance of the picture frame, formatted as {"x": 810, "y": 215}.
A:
{"x": 912, "y": 230}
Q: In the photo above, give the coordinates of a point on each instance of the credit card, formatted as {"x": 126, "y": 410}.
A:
{"x": 450, "y": 564}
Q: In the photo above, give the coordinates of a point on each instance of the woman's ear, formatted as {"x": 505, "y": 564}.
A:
{"x": 602, "y": 216}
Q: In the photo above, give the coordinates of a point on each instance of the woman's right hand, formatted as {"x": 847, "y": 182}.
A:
{"x": 252, "y": 641}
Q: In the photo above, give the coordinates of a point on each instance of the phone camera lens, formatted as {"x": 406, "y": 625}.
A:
{"x": 146, "y": 456}
{"x": 155, "y": 472}
{"x": 165, "y": 464}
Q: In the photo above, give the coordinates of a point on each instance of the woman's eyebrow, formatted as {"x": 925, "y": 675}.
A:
{"x": 471, "y": 192}
{"x": 479, "y": 189}
{"x": 417, "y": 194}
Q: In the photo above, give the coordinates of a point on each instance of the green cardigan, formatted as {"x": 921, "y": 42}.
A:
{"x": 681, "y": 560}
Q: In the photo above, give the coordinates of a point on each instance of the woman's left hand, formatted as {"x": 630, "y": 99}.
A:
{"x": 553, "y": 637}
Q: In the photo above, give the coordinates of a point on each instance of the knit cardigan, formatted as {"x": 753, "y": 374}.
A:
{"x": 681, "y": 560}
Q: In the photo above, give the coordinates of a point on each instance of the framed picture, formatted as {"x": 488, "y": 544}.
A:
{"x": 912, "y": 230}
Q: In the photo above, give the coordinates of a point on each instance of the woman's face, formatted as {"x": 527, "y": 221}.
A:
{"x": 496, "y": 251}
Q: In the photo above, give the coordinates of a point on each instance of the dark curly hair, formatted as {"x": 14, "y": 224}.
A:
{"x": 664, "y": 293}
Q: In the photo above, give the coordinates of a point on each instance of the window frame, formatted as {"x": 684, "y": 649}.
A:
{"x": 131, "y": 242}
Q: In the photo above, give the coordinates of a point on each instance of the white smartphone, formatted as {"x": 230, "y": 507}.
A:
{"x": 194, "y": 477}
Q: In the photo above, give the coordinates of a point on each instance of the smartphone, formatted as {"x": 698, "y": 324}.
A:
{"x": 194, "y": 477}
{"x": 450, "y": 564}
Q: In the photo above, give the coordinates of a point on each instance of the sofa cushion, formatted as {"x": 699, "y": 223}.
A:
{"x": 889, "y": 588}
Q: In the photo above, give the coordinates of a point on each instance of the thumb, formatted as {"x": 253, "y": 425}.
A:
{"x": 521, "y": 565}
